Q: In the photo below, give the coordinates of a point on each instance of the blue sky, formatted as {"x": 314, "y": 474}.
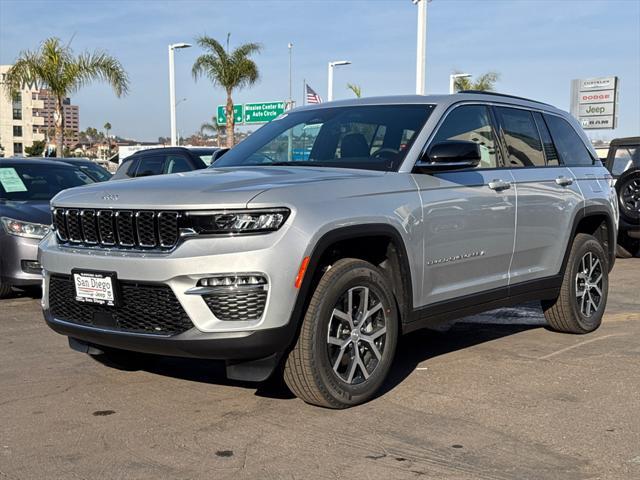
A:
{"x": 537, "y": 46}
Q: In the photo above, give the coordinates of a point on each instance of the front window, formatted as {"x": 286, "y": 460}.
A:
{"x": 471, "y": 123}
{"x": 37, "y": 182}
{"x": 364, "y": 137}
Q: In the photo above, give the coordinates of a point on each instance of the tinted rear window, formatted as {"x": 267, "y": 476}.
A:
{"x": 524, "y": 148}
{"x": 150, "y": 165}
{"x": 571, "y": 149}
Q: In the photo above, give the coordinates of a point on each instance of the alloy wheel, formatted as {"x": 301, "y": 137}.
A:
{"x": 630, "y": 196}
{"x": 589, "y": 284}
{"x": 356, "y": 335}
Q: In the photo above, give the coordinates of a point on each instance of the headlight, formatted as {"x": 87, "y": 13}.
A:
{"x": 24, "y": 229}
{"x": 238, "y": 221}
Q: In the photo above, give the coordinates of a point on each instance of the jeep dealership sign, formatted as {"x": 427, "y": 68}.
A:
{"x": 594, "y": 102}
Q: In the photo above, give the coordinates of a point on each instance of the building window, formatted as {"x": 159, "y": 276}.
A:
{"x": 17, "y": 131}
{"x": 17, "y": 113}
{"x": 17, "y": 149}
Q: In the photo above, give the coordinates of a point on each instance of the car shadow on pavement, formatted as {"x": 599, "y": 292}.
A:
{"x": 422, "y": 345}
{"x": 413, "y": 349}
{"x": 34, "y": 292}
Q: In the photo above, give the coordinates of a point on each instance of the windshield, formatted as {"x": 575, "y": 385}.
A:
{"x": 366, "y": 137}
{"x": 38, "y": 182}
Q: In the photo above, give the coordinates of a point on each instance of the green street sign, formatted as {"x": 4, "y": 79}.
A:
{"x": 262, "y": 112}
{"x": 222, "y": 114}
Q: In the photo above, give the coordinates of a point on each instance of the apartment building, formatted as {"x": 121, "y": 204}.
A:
{"x": 20, "y": 122}
{"x": 71, "y": 115}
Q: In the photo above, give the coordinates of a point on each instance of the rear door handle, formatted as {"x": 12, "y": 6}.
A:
{"x": 499, "y": 185}
{"x": 564, "y": 181}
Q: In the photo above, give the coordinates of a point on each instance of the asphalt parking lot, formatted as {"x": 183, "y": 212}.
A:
{"x": 495, "y": 397}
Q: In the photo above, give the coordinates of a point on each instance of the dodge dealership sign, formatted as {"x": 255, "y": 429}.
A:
{"x": 594, "y": 102}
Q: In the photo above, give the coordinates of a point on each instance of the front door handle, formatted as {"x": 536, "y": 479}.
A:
{"x": 564, "y": 181}
{"x": 499, "y": 185}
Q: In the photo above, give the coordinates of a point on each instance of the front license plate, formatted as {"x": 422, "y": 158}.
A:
{"x": 95, "y": 287}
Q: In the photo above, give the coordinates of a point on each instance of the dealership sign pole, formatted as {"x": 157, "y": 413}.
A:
{"x": 594, "y": 102}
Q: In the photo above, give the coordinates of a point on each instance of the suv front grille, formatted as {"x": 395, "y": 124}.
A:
{"x": 143, "y": 308}
{"x": 144, "y": 229}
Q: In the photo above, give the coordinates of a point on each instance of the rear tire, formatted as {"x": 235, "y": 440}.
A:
{"x": 348, "y": 337}
{"x": 583, "y": 295}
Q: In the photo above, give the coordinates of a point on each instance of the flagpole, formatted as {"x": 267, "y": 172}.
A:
{"x": 304, "y": 91}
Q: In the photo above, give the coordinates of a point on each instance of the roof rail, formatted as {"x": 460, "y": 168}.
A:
{"x": 498, "y": 94}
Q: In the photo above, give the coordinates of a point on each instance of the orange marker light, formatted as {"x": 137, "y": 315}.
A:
{"x": 301, "y": 271}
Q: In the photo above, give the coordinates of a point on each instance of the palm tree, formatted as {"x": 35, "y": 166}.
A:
{"x": 55, "y": 67}
{"x": 485, "y": 82}
{"x": 231, "y": 70}
{"x": 107, "y": 127}
{"x": 212, "y": 127}
{"x": 357, "y": 91}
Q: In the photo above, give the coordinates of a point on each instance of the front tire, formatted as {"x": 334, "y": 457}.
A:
{"x": 583, "y": 295}
{"x": 348, "y": 337}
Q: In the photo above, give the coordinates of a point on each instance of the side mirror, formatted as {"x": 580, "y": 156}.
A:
{"x": 449, "y": 155}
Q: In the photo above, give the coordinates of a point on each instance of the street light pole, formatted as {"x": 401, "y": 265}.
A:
{"x": 172, "y": 89}
{"x": 330, "y": 77}
{"x": 421, "y": 53}
{"x": 452, "y": 81}
{"x": 290, "y": 76}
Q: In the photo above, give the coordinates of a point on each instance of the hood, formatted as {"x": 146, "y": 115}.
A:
{"x": 209, "y": 188}
{"x": 28, "y": 211}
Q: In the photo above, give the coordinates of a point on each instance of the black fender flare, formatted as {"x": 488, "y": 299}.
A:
{"x": 349, "y": 233}
{"x": 593, "y": 211}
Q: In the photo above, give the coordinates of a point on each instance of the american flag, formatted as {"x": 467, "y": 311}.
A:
{"x": 312, "y": 96}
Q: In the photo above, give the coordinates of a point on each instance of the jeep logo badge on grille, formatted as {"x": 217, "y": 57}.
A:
{"x": 110, "y": 196}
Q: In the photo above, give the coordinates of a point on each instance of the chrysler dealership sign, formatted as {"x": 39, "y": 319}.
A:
{"x": 594, "y": 102}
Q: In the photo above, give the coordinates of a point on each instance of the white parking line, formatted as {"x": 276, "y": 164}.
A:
{"x": 566, "y": 349}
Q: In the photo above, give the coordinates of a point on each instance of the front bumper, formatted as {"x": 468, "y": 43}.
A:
{"x": 246, "y": 345}
{"x": 276, "y": 256}
{"x": 14, "y": 252}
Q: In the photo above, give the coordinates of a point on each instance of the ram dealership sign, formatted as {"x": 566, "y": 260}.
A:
{"x": 594, "y": 102}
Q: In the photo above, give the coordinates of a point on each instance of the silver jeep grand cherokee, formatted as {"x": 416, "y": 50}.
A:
{"x": 329, "y": 232}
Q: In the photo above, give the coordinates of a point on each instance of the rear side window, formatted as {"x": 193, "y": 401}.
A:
{"x": 524, "y": 148}
{"x": 151, "y": 165}
{"x": 571, "y": 150}
{"x": 547, "y": 143}
{"x": 177, "y": 164}
{"x": 470, "y": 123}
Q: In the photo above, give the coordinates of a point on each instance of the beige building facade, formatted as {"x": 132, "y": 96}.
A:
{"x": 20, "y": 120}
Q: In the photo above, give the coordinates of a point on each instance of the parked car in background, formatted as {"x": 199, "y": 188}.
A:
{"x": 26, "y": 187}
{"x": 158, "y": 161}
{"x": 406, "y": 212}
{"x": 97, "y": 172}
{"x": 209, "y": 155}
{"x": 623, "y": 161}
